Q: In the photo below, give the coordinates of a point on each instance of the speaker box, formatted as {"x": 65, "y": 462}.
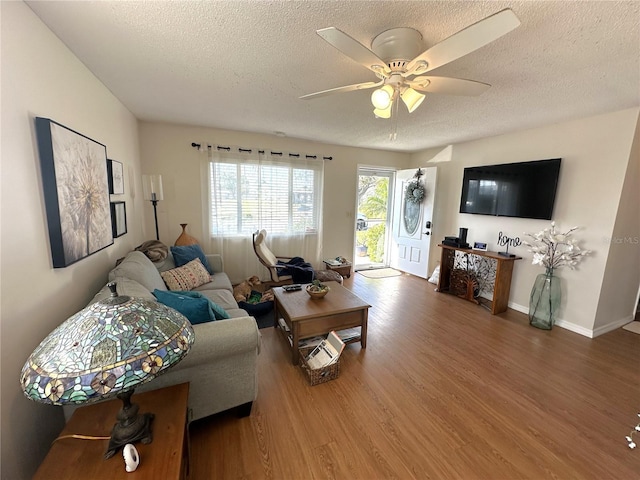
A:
{"x": 463, "y": 236}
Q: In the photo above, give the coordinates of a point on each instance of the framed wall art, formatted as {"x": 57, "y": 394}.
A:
{"x": 118, "y": 218}
{"x": 116, "y": 177}
{"x": 76, "y": 192}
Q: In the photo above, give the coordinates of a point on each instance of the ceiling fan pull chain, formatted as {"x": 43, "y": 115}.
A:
{"x": 394, "y": 122}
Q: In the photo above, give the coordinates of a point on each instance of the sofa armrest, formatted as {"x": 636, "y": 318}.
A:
{"x": 215, "y": 261}
{"x": 222, "y": 338}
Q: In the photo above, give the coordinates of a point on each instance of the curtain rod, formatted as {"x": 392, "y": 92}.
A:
{"x": 200, "y": 148}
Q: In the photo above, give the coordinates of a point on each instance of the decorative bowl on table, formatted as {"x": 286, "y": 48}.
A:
{"x": 317, "y": 289}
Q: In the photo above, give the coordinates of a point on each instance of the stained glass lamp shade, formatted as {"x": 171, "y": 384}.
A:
{"x": 107, "y": 350}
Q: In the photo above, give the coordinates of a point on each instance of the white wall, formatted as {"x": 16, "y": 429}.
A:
{"x": 622, "y": 276}
{"x": 41, "y": 77}
{"x": 166, "y": 150}
{"x": 595, "y": 154}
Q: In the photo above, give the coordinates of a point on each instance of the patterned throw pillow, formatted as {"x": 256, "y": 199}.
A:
{"x": 187, "y": 277}
{"x": 184, "y": 254}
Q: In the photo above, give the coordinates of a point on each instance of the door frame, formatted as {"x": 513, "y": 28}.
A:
{"x": 381, "y": 171}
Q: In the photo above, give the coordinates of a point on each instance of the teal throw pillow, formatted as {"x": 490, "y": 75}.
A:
{"x": 196, "y": 309}
{"x": 183, "y": 255}
{"x": 214, "y": 311}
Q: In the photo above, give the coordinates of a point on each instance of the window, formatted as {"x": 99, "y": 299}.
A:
{"x": 279, "y": 195}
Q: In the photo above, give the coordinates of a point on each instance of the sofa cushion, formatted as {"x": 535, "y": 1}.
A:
{"x": 224, "y": 298}
{"x": 136, "y": 266}
{"x": 219, "y": 281}
{"x": 187, "y": 277}
{"x": 193, "y": 305}
{"x": 236, "y": 312}
{"x": 196, "y": 309}
{"x": 184, "y": 254}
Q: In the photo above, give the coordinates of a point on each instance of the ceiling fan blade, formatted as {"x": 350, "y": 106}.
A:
{"x": 346, "y": 88}
{"x": 353, "y": 49}
{"x": 467, "y": 40}
{"x": 451, "y": 86}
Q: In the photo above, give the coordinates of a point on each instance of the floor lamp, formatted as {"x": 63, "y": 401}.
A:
{"x": 152, "y": 191}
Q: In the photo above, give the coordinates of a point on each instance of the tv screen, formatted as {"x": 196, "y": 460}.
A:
{"x": 526, "y": 189}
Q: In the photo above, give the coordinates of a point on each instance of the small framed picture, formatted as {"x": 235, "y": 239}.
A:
{"x": 480, "y": 246}
{"x": 118, "y": 218}
{"x": 116, "y": 177}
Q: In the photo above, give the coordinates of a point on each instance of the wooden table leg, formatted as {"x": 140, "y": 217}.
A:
{"x": 295, "y": 334}
{"x": 363, "y": 330}
{"x": 276, "y": 308}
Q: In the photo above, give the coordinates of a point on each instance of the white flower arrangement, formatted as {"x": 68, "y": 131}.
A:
{"x": 629, "y": 437}
{"x": 415, "y": 191}
{"x": 554, "y": 250}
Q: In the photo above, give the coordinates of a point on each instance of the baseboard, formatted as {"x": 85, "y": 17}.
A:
{"x": 518, "y": 308}
{"x": 575, "y": 328}
{"x": 562, "y": 323}
{"x": 612, "y": 326}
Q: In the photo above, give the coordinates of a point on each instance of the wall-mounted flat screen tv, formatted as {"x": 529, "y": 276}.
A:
{"x": 526, "y": 189}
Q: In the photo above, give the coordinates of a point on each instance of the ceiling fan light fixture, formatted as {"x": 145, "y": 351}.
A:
{"x": 381, "y": 98}
{"x": 382, "y": 112}
{"x": 412, "y": 99}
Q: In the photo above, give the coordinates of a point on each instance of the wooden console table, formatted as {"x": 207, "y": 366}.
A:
{"x": 467, "y": 273}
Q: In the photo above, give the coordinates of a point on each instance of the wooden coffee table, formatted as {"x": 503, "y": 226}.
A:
{"x": 306, "y": 317}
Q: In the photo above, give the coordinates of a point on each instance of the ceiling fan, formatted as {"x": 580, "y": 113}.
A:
{"x": 396, "y": 60}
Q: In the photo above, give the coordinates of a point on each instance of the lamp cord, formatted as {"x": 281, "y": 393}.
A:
{"x": 80, "y": 437}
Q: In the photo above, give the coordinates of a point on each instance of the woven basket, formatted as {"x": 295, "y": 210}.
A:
{"x": 319, "y": 375}
{"x": 316, "y": 294}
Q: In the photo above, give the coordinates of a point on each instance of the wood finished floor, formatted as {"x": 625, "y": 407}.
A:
{"x": 443, "y": 390}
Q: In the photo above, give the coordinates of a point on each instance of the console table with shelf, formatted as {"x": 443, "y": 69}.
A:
{"x": 468, "y": 273}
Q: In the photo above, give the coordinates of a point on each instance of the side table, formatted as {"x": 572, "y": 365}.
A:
{"x": 343, "y": 269}
{"x": 167, "y": 456}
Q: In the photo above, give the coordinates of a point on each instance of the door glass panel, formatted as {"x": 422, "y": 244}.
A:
{"x": 411, "y": 216}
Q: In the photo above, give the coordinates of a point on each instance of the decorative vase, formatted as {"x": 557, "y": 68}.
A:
{"x": 545, "y": 300}
{"x": 184, "y": 238}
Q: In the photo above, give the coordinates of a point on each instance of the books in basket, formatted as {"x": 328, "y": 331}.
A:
{"x": 326, "y": 353}
{"x": 349, "y": 334}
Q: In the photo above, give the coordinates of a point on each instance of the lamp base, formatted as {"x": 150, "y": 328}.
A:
{"x": 131, "y": 426}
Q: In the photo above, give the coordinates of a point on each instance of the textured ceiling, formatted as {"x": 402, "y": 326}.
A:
{"x": 242, "y": 65}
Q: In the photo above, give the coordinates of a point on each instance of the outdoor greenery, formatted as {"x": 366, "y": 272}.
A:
{"x": 373, "y": 239}
{"x": 372, "y": 195}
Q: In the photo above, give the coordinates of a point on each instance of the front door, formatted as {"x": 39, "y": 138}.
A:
{"x": 412, "y": 218}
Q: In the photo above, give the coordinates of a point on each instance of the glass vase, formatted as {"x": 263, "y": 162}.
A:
{"x": 545, "y": 300}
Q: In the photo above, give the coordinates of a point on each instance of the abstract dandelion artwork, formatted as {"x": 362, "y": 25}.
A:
{"x": 76, "y": 192}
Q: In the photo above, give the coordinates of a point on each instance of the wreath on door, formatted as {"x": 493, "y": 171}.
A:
{"x": 415, "y": 192}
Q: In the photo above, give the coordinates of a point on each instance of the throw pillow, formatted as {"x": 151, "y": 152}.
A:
{"x": 184, "y": 254}
{"x": 195, "y": 309}
{"x": 187, "y": 277}
{"x": 215, "y": 311}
